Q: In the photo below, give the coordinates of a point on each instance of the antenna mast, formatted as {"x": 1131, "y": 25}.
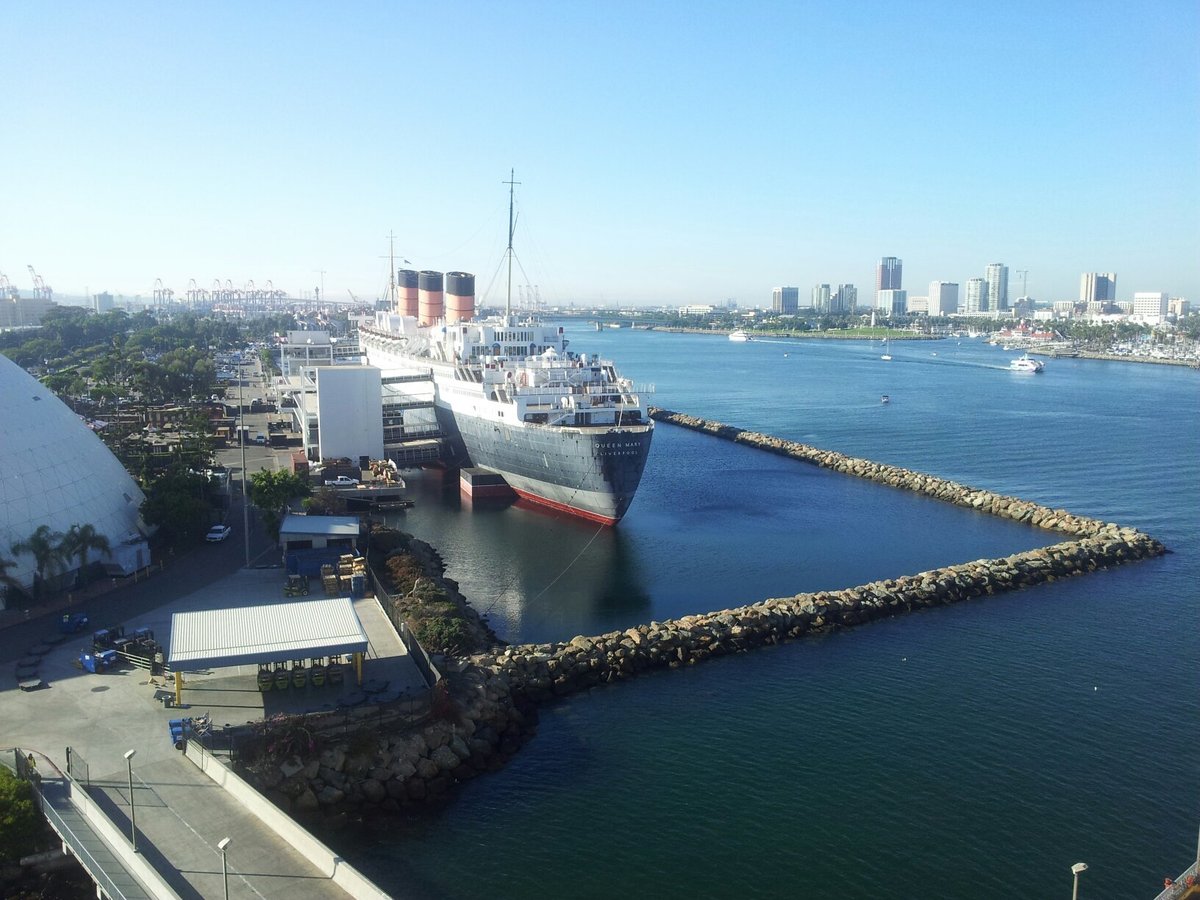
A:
{"x": 392, "y": 271}
{"x": 511, "y": 184}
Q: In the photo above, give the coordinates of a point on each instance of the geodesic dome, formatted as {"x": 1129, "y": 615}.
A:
{"x": 54, "y": 471}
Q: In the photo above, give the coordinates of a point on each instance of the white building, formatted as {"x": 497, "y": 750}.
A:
{"x": 821, "y": 297}
{"x": 975, "y": 300}
{"x": 918, "y": 305}
{"x": 943, "y": 298}
{"x": 696, "y": 310}
{"x": 303, "y": 350}
{"x": 1152, "y": 306}
{"x": 996, "y": 275}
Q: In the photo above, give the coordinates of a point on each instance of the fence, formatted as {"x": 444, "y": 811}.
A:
{"x": 77, "y": 768}
{"x": 424, "y": 664}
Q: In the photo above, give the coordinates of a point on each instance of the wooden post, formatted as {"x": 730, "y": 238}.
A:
{"x": 178, "y": 688}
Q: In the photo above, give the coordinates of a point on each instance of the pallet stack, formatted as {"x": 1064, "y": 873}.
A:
{"x": 349, "y": 565}
{"x": 329, "y": 580}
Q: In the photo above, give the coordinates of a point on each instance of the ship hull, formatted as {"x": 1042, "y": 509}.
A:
{"x": 588, "y": 472}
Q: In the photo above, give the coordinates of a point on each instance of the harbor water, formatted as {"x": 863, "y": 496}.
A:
{"x": 974, "y": 751}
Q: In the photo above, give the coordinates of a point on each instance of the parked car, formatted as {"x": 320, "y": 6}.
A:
{"x": 341, "y": 481}
{"x": 217, "y": 533}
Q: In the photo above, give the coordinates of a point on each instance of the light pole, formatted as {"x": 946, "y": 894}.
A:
{"x": 129, "y": 754}
{"x": 242, "y": 441}
{"x": 224, "y": 865}
{"x": 1075, "y": 870}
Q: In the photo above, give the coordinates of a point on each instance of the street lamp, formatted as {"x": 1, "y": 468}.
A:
{"x": 224, "y": 866}
{"x": 129, "y": 754}
{"x": 242, "y": 441}
{"x": 1075, "y": 870}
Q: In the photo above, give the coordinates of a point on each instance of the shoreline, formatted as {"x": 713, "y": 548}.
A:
{"x": 907, "y": 336}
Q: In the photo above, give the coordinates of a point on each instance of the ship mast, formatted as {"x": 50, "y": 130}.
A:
{"x": 509, "y": 252}
{"x": 392, "y": 271}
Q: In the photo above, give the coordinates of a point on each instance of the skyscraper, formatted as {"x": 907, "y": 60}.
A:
{"x": 821, "y": 297}
{"x": 976, "y": 299}
{"x": 785, "y": 300}
{"x": 943, "y": 298}
{"x": 887, "y": 278}
{"x": 1097, "y": 287}
{"x": 888, "y": 274}
{"x": 997, "y": 282}
{"x": 845, "y": 300}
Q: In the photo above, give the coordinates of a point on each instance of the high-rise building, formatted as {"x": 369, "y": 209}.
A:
{"x": 888, "y": 274}
{"x": 845, "y": 300}
{"x": 888, "y": 277}
{"x": 997, "y": 282}
{"x": 821, "y": 296}
{"x": 943, "y": 298}
{"x": 891, "y": 302}
{"x": 102, "y": 302}
{"x": 1098, "y": 287}
{"x": 976, "y": 299}
{"x": 785, "y": 300}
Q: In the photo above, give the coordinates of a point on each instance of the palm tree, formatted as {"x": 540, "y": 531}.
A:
{"x": 81, "y": 540}
{"x": 46, "y": 547}
{"x": 7, "y": 582}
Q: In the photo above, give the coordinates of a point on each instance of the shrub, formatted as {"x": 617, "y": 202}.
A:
{"x": 20, "y": 821}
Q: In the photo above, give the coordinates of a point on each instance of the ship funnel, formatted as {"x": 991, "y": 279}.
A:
{"x": 406, "y": 292}
{"x": 460, "y": 297}
{"x": 429, "y": 297}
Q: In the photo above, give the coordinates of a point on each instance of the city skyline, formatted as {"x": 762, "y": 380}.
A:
{"x": 286, "y": 144}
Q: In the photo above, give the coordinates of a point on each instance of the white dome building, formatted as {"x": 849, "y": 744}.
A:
{"x": 54, "y": 471}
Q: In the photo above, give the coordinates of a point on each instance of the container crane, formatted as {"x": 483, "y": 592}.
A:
{"x": 7, "y": 291}
{"x": 41, "y": 290}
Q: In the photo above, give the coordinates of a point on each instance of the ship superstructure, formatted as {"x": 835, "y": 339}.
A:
{"x": 564, "y": 430}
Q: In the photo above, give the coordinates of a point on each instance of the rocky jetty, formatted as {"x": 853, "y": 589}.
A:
{"x": 477, "y": 725}
{"x": 906, "y": 479}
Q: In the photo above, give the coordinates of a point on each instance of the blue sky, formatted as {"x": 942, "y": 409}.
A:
{"x": 667, "y": 152}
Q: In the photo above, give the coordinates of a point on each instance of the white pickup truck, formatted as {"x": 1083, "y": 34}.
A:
{"x": 341, "y": 481}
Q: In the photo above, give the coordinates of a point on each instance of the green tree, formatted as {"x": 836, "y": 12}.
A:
{"x": 178, "y": 503}
{"x": 271, "y": 493}
{"x": 20, "y": 821}
{"x": 46, "y": 548}
{"x": 79, "y": 542}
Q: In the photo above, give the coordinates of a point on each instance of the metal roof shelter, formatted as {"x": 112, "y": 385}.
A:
{"x": 326, "y": 526}
{"x": 275, "y": 632}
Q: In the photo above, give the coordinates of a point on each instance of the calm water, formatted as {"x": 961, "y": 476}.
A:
{"x": 974, "y": 751}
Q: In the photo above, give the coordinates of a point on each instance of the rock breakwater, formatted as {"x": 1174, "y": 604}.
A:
{"x": 542, "y": 671}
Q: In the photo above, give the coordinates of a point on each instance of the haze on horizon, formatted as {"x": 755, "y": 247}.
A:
{"x": 666, "y": 152}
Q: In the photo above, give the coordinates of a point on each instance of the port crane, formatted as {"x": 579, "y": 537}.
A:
{"x": 41, "y": 290}
{"x": 7, "y": 291}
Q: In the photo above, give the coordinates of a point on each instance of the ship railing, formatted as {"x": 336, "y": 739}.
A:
{"x": 1181, "y": 886}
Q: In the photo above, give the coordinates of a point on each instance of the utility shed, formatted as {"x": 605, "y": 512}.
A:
{"x": 276, "y": 632}
{"x": 305, "y": 532}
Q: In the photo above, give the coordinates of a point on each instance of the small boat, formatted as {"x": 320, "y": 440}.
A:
{"x": 739, "y": 337}
{"x": 1024, "y": 363}
{"x": 886, "y": 355}
{"x": 885, "y": 399}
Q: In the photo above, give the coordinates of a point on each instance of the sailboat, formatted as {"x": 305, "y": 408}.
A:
{"x": 886, "y": 355}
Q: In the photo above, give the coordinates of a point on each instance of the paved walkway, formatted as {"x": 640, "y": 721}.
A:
{"x": 181, "y": 817}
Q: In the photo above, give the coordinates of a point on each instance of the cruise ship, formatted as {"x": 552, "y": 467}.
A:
{"x": 564, "y": 430}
